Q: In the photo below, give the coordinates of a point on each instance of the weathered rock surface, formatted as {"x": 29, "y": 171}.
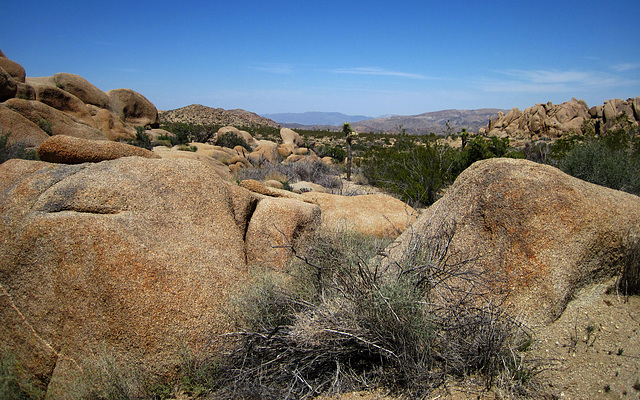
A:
{"x": 372, "y": 215}
{"x": 132, "y": 107}
{"x": 131, "y": 257}
{"x": 542, "y": 233}
{"x": 82, "y": 89}
{"x": 267, "y": 242}
{"x": 289, "y": 136}
{"x": 21, "y": 130}
{"x": 64, "y": 101}
{"x": 174, "y": 153}
{"x": 69, "y": 150}
{"x": 8, "y": 86}
{"x": 53, "y": 120}
{"x": 13, "y": 68}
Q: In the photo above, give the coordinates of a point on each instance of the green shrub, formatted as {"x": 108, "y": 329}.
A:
{"x": 17, "y": 150}
{"x": 335, "y": 152}
{"x": 416, "y": 173}
{"x": 602, "y": 163}
{"x": 231, "y": 140}
{"x": 347, "y": 320}
{"x": 45, "y": 126}
{"x": 142, "y": 139}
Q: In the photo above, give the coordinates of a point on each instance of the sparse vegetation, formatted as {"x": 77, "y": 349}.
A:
{"x": 310, "y": 171}
{"x": 8, "y": 151}
{"x": 231, "y": 140}
{"x": 348, "y": 320}
{"x": 142, "y": 139}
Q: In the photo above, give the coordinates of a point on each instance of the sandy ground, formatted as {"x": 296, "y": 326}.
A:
{"x": 591, "y": 352}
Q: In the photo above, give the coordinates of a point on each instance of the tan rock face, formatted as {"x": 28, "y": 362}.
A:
{"x": 58, "y": 122}
{"x": 82, "y": 89}
{"x": 373, "y": 215}
{"x": 541, "y": 233}
{"x": 69, "y": 150}
{"x": 8, "y": 86}
{"x": 133, "y": 108}
{"x": 21, "y": 130}
{"x": 133, "y": 256}
{"x": 63, "y": 101}
{"x": 13, "y": 68}
{"x": 289, "y": 136}
{"x": 277, "y": 223}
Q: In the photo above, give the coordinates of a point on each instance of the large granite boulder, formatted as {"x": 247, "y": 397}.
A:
{"x": 14, "y": 69}
{"x": 82, "y": 89}
{"x": 539, "y": 234}
{"x": 54, "y": 121}
{"x": 69, "y": 150}
{"x": 372, "y": 214}
{"x": 64, "y": 101}
{"x": 132, "y": 258}
{"x": 20, "y": 130}
{"x": 132, "y": 107}
{"x": 8, "y": 86}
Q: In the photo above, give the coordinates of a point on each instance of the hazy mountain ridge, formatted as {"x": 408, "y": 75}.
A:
{"x": 315, "y": 118}
{"x": 436, "y": 121}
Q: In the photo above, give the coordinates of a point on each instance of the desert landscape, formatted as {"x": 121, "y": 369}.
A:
{"x": 214, "y": 254}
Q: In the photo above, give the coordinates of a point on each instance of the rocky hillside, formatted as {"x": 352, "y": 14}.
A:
{"x": 202, "y": 115}
{"x": 436, "y": 122}
{"x": 550, "y": 120}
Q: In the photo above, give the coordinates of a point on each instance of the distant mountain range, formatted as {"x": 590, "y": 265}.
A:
{"x": 436, "y": 122}
{"x": 315, "y": 118}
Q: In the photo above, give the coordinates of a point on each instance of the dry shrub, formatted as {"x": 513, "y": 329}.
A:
{"x": 311, "y": 171}
{"x": 346, "y": 320}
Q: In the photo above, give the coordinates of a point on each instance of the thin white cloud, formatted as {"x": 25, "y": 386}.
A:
{"x": 273, "y": 68}
{"x": 379, "y": 72}
{"x": 624, "y": 67}
{"x": 550, "y": 81}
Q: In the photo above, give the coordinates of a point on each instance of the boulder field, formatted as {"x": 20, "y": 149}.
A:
{"x": 33, "y": 108}
{"x": 139, "y": 258}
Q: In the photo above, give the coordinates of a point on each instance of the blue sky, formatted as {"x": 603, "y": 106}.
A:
{"x": 355, "y": 57}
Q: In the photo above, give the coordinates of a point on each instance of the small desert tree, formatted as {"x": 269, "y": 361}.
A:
{"x": 348, "y": 134}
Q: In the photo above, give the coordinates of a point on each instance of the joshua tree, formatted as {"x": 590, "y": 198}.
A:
{"x": 348, "y": 134}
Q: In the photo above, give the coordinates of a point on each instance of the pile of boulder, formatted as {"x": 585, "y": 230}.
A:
{"x": 33, "y": 109}
{"x": 550, "y": 121}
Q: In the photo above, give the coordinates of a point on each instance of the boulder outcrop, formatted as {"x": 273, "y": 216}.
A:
{"x": 133, "y": 108}
{"x": 53, "y": 121}
{"x": 20, "y": 129}
{"x": 69, "y": 150}
{"x": 541, "y": 234}
{"x": 549, "y": 121}
{"x": 82, "y": 89}
{"x": 131, "y": 257}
